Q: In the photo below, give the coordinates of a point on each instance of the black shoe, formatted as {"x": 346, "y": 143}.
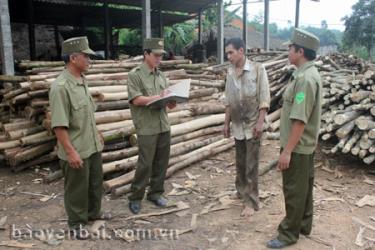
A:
{"x": 135, "y": 207}
{"x": 159, "y": 202}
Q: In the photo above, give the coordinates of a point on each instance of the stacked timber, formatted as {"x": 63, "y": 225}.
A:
{"x": 26, "y": 138}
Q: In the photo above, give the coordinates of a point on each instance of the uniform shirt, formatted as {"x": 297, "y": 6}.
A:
{"x": 245, "y": 96}
{"x": 73, "y": 107}
{"x": 144, "y": 82}
{"x": 302, "y": 101}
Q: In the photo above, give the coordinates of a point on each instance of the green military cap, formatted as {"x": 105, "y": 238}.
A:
{"x": 156, "y": 45}
{"x": 76, "y": 44}
{"x": 305, "y": 39}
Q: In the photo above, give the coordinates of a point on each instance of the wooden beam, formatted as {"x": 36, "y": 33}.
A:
{"x": 57, "y": 40}
{"x": 161, "y": 25}
{"x": 31, "y": 25}
{"x": 146, "y": 19}
{"x": 6, "y": 49}
{"x": 200, "y": 27}
{"x": 220, "y": 32}
{"x": 107, "y": 32}
{"x": 266, "y": 24}
{"x": 296, "y": 21}
{"x": 244, "y": 23}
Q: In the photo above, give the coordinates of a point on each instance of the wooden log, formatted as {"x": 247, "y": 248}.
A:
{"x": 116, "y": 134}
{"x": 115, "y": 125}
{"x": 112, "y": 105}
{"x": 189, "y": 158}
{"x": 362, "y": 153}
{"x": 119, "y": 154}
{"x": 271, "y": 136}
{"x": 104, "y": 97}
{"x": 365, "y": 123}
{"x": 9, "y": 144}
{"x": 11, "y": 78}
{"x": 17, "y": 134}
{"x": 202, "y": 92}
{"x": 274, "y": 126}
{"x": 108, "y": 89}
{"x": 274, "y": 115}
{"x": 177, "y": 149}
{"x": 116, "y": 146}
{"x": 369, "y": 159}
{"x": 360, "y": 95}
{"x": 100, "y": 83}
{"x": 351, "y": 142}
{"x": 196, "y": 134}
{"x": 341, "y": 119}
{"x": 197, "y": 124}
{"x": 31, "y": 153}
{"x": 53, "y": 176}
{"x": 345, "y": 130}
{"x": 40, "y": 160}
{"x": 37, "y": 138}
{"x": 371, "y": 133}
{"x": 366, "y": 144}
{"x": 112, "y": 116}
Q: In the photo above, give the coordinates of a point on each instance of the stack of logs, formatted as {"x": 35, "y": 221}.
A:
{"x": 27, "y": 140}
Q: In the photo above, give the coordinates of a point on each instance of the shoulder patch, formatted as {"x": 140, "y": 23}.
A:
{"x": 300, "y": 97}
{"x": 61, "y": 82}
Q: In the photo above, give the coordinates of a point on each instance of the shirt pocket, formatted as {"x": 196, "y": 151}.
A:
{"x": 288, "y": 95}
{"x": 79, "y": 111}
{"x": 92, "y": 103}
{"x": 249, "y": 85}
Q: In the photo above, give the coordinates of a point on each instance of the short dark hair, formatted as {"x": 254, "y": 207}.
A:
{"x": 309, "y": 53}
{"x": 236, "y": 42}
{"x": 66, "y": 58}
{"x": 147, "y": 51}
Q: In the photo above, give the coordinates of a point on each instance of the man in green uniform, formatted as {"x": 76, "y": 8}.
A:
{"x": 299, "y": 129}
{"x": 79, "y": 143}
{"x": 147, "y": 83}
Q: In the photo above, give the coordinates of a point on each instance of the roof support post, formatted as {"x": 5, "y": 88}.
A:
{"x": 146, "y": 19}
{"x": 6, "y": 48}
{"x": 220, "y": 32}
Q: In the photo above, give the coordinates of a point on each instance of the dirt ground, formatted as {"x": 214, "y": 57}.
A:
{"x": 340, "y": 183}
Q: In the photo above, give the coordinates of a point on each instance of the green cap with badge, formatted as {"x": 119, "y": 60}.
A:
{"x": 305, "y": 39}
{"x": 76, "y": 44}
{"x": 156, "y": 45}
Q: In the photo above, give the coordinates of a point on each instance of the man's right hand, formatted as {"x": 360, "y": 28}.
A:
{"x": 164, "y": 93}
{"x": 226, "y": 130}
{"x": 75, "y": 160}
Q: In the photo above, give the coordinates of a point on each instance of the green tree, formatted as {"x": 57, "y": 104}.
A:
{"x": 179, "y": 35}
{"x": 360, "y": 27}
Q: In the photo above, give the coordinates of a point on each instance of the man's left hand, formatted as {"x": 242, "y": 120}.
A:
{"x": 171, "y": 105}
{"x": 101, "y": 138}
{"x": 258, "y": 130}
{"x": 284, "y": 161}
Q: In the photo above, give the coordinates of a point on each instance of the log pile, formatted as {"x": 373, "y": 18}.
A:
{"x": 26, "y": 139}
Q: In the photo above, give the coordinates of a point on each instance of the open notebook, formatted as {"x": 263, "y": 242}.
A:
{"x": 178, "y": 93}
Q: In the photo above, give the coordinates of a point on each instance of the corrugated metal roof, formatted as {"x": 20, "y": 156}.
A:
{"x": 191, "y": 6}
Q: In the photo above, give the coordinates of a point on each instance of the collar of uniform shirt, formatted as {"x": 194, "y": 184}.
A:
{"x": 74, "y": 79}
{"x": 146, "y": 69}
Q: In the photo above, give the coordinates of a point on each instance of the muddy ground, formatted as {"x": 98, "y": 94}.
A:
{"x": 340, "y": 184}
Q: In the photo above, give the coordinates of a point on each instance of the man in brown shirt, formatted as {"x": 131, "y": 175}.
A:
{"x": 247, "y": 101}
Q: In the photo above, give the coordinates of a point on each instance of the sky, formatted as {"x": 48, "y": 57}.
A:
{"x": 311, "y": 13}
